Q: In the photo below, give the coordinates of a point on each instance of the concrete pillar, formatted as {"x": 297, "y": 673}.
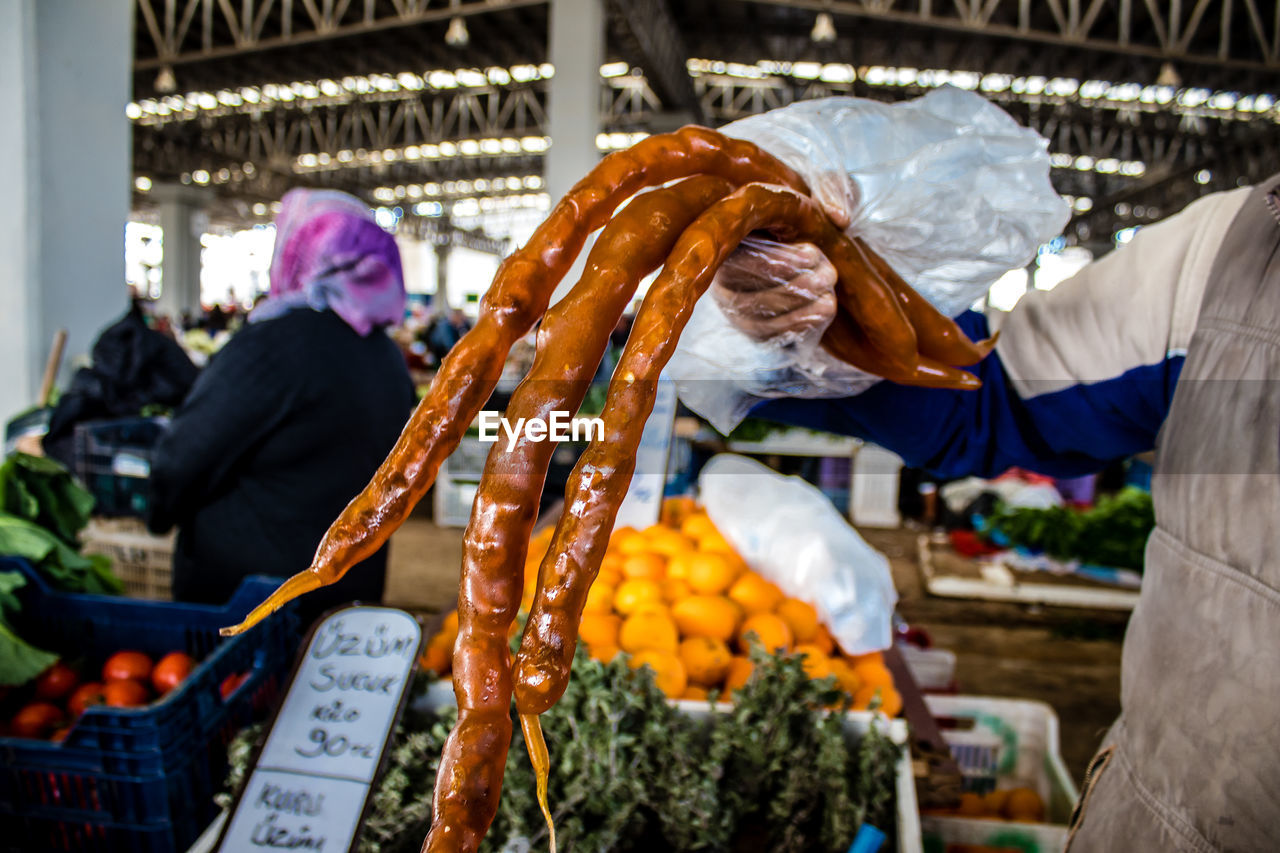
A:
{"x": 573, "y": 101}
{"x": 183, "y": 221}
{"x": 65, "y": 79}
{"x": 440, "y": 302}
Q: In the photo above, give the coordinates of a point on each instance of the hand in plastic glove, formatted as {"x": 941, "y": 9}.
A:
{"x": 768, "y": 290}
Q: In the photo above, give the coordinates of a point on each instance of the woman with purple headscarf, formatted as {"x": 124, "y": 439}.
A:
{"x": 290, "y": 420}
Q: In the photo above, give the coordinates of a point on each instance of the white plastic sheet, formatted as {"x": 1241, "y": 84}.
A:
{"x": 790, "y": 533}
{"x": 947, "y": 188}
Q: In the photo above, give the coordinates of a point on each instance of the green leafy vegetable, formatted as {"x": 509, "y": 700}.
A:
{"x": 1112, "y": 533}
{"x": 67, "y": 569}
{"x": 19, "y": 660}
{"x": 43, "y": 492}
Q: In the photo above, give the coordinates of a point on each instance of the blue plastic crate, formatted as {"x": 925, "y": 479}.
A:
{"x": 138, "y": 778}
{"x": 113, "y": 460}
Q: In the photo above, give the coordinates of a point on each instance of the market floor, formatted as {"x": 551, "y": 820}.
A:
{"x": 1069, "y": 659}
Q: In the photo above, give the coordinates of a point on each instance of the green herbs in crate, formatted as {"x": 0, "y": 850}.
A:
{"x": 632, "y": 773}
{"x": 1112, "y": 533}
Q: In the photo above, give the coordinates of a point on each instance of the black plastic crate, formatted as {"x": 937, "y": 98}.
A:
{"x": 113, "y": 460}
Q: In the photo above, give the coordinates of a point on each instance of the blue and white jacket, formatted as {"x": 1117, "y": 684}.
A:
{"x": 1082, "y": 375}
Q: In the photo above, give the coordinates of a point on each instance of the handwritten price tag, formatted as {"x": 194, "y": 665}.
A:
{"x": 309, "y": 785}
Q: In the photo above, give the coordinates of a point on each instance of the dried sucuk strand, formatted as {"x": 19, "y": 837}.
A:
{"x": 571, "y": 342}
{"x": 518, "y": 296}
{"x": 846, "y": 341}
{"x": 602, "y": 475}
{"x": 940, "y": 338}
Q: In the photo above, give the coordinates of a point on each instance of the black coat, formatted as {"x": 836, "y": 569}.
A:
{"x": 285, "y": 426}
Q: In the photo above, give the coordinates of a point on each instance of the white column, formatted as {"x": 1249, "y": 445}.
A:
{"x": 65, "y": 75}
{"x": 183, "y": 220}
{"x": 573, "y": 100}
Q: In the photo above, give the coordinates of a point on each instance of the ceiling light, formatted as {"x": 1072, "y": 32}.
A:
{"x": 457, "y": 35}
{"x": 824, "y": 29}
{"x": 165, "y": 81}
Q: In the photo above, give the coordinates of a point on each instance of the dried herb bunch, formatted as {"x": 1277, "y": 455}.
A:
{"x": 631, "y": 772}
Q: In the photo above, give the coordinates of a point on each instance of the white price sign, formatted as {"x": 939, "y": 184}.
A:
{"x": 308, "y": 787}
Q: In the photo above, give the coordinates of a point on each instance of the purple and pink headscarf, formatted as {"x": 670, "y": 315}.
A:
{"x": 330, "y": 253}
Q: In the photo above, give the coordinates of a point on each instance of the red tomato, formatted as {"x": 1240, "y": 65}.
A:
{"x": 36, "y": 720}
{"x": 85, "y": 695}
{"x": 59, "y": 735}
{"x": 170, "y": 670}
{"x": 232, "y": 683}
{"x": 127, "y": 665}
{"x": 56, "y": 681}
{"x": 125, "y": 693}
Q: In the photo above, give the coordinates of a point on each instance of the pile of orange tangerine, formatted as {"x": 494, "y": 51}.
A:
{"x": 676, "y": 597}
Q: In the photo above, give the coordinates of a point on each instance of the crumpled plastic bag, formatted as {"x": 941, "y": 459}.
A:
{"x": 947, "y": 188}
{"x": 791, "y": 533}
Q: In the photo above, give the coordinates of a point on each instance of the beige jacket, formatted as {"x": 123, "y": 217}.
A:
{"x": 1193, "y": 763}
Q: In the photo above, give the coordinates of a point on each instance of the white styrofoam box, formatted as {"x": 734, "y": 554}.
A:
{"x": 874, "y": 498}
{"x": 933, "y": 669}
{"x": 451, "y": 502}
{"x": 1020, "y": 739}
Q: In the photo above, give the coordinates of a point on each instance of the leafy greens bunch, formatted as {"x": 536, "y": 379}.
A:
{"x": 42, "y": 511}
{"x": 1112, "y": 533}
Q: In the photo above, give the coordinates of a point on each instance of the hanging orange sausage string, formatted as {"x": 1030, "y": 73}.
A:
{"x": 519, "y": 295}
{"x": 571, "y": 342}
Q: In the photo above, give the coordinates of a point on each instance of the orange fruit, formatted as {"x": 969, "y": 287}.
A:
{"x": 801, "y": 617}
{"x": 645, "y": 631}
{"x": 668, "y": 671}
{"x": 599, "y": 629}
{"x": 890, "y": 700}
{"x": 693, "y": 691}
{"x": 1023, "y": 804}
{"x": 438, "y": 656}
{"x": 845, "y": 676}
{"x": 633, "y": 591}
{"x": 706, "y": 616}
{"x": 755, "y": 594}
{"x": 816, "y": 663}
{"x": 676, "y": 509}
{"x": 628, "y": 541}
{"x": 599, "y": 598}
{"x": 710, "y": 573}
{"x": 993, "y": 802}
{"x": 697, "y": 525}
{"x": 678, "y": 565}
{"x": 666, "y": 541}
{"x": 645, "y": 564}
{"x": 604, "y": 654}
{"x": 609, "y": 577}
{"x": 612, "y": 562}
{"x": 873, "y": 674}
{"x": 768, "y": 629}
{"x": 740, "y": 669}
{"x": 971, "y": 805}
{"x": 706, "y": 661}
{"x": 868, "y": 657}
{"x": 674, "y": 589}
{"x": 449, "y": 627}
{"x": 822, "y": 639}
{"x": 716, "y": 543}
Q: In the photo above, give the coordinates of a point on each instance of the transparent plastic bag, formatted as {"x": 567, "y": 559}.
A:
{"x": 947, "y": 188}
{"x": 790, "y": 533}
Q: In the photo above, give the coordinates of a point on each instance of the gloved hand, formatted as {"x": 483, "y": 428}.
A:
{"x": 777, "y": 291}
